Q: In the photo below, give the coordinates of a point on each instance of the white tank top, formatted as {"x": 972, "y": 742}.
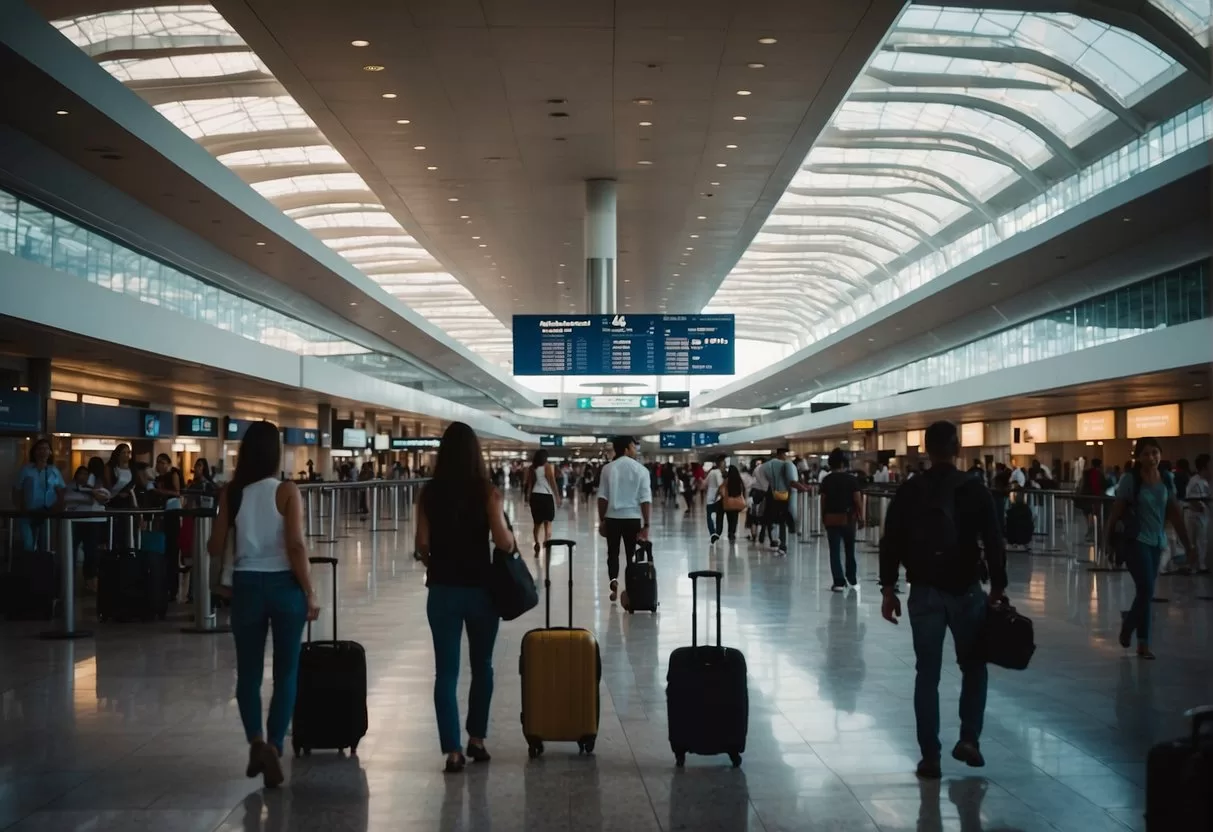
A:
{"x": 541, "y": 482}
{"x": 260, "y": 530}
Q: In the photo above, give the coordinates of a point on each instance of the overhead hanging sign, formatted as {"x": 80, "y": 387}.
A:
{"x": 674, "y": 398}
{"x": 1160, "y": 420}
{"x": 863, "y": 424}
{"x": 705, "y": 439}
{"x": 414, "y": 443}
{"x": 616, "y": 402}
{"x": 206, "y": 427}
{"x": 972, "y": 434}
{"x": 1095, "y": 426}
{"x": 550, "y": 441}
{"x": 676, "y": 440}
{"x": 624, "y": 345}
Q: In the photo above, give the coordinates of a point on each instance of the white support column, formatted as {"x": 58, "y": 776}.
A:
{"x": 600, "y": 246}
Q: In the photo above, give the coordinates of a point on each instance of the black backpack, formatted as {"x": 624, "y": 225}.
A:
{"x": 933, "y": 536}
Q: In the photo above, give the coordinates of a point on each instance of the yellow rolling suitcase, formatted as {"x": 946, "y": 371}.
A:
{"x": 561, "y": 670}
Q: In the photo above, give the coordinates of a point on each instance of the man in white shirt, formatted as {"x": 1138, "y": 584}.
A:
{"x": 713, "y": 500}
{"x": 1196, "y": 515}
{"x": 625, "y": 496}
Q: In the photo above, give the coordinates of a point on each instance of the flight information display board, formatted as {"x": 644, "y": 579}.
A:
{"x": 673, "y": 440}
{"x": 624, "y": 345}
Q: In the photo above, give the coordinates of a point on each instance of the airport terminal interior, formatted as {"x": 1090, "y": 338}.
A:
{"x": 751, "y": 244}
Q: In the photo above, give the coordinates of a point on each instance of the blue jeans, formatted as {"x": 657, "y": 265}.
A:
{"x": 264, "y": 602}
{"x": 840, "y": 537}
{"x": 34, "y": 534}
{"x": 450, "y": 609}
{"x": 932, "y": 613}
{"x": 1143, "y": 561}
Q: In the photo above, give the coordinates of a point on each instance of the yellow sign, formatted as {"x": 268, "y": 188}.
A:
{"x": 1160, "y": 420}
{"x": 1096, "y": 425}
{"x": 1025, "y": 433}
{"x": 863, "y": 424}
{"x": 913, "y": 439}
{"x": 972, "y": 434}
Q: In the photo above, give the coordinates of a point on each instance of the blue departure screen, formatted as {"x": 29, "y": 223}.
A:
{"x": 705, "y": 439}
{"x": 676, "y": 440}
{"x": 623, "y": 345}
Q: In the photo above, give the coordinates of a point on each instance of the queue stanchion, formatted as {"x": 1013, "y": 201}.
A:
{"x": 206, "y": 620}
{"x": 802, "y": 499}
{"x": 310, "y": 507}
{"x": 67, "y": 585}
{"x": 334, "y": 514}
{"x": 396, "y": 489}
{"x": 374, "y": 506}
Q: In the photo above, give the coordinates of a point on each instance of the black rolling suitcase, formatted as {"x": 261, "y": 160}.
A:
{"x": 707, "y": 694}
{"x": 1179, "y": 779}
{"x": 130, "y": 585}
{"x": 330, "y": 704}
{"x": 1021, "y": 526}
{"x": 29, "y": 585}
{"x": 641, "y": 580}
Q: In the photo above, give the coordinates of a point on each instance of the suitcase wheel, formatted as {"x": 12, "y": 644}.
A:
{"x": 534, "y": 749}
{"x": 585, "y": 745}
{"x": 735, "y": 758}
{"x": 354, "y": 749}
{"x": 680, "y": 758}
{"x": 631, "y": 611}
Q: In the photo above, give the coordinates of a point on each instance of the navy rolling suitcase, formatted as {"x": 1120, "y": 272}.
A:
{"x": 1179, "y": 779}
{"x": 130, "y": 585}
{"x": 330, "y": 704}
{"x": 641, "y": 580}
{"x": 707, "y": 694}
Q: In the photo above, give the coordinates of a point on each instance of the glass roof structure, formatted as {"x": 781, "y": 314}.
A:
{"x": 192, "y": 66}
{"x": 968, "y": 126}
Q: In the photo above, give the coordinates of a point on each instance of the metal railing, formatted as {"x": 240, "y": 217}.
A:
{"x": 338, "y": 502}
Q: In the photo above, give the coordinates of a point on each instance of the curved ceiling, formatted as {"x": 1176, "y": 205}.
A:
{"x": 958, "y": 106}
{"x": 195, "y": 69}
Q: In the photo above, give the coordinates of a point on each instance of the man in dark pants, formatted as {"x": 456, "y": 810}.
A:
{"x": 625, "y": 496}
{"x": 933, "y": 527}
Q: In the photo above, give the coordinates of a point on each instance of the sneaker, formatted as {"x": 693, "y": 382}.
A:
{"x": 838, "y": 587}
{"x": 783, "y": 552}
{"x": 614, "y": 590}
{"x": 1126, "y": 632}
{"x": 929, "y": 769}
{"x": 968, "y": 753}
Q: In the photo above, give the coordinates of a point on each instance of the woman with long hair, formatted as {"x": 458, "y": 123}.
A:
{"x": 732, "y": 499}
{"x": 40, "y": 487}
{"x": 1146, "y": 502}
{"x": 271, "y": 590}
{"x": 540, "y": 491}
{"x": 460, "y": 511}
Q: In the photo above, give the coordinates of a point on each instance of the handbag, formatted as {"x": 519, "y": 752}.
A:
{"x": 734, "y": 503}
{"x": 511, "y": 585}
{"x": 1009, "y": 639}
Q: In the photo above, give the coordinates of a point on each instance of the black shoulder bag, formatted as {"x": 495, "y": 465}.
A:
{"x": 510, "y": 583}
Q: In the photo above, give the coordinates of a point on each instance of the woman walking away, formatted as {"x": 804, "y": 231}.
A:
{"x": 1145, "y": 502}
{"x": 732, "y": 499}
{"x": 460, "y": 511}
{"x": 271, "y": 590}
{"x": 540, "y": 491}
{"x": 841, "y": 510}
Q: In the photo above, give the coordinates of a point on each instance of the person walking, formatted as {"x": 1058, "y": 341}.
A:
{"x": 781, "y": 474}
{"x": 460, "y": 512}
{"x": 841, "y": 512}
{"x": 714, "y": 500}
{"x": 933, "y": 527}
{"x": 1196, "y": 515}
{"x": 271, "y": 590}
{"x": 542, "y": 494}
{"x": 1146, "y": 502}
{"x": 732, "y": 500}
{"x": 625, "y": 500}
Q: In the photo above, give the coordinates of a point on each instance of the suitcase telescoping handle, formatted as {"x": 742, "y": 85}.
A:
{"x": 695, "y": 576}
{"x": 644, "y": 547}
{"x": 547, "y": 579}
{"x": 333, "y": 562}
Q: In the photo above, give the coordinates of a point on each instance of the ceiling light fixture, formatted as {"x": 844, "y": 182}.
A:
{"x": 721, "y": 165}
{"x": 484, "y": 245}
{"x": 701, "y": 217}
{"x": 756, "y": 65}
{"x": 646, "y": 124}
{"x": 738, "y": 118}
{"x": 260, "y": 243}
{"x": 713, "y": 183}
{"x": 360, "y": 43}
{"x": 767, "y": 41}
{"x": 431, "y": 167}
{"x": 418, "y": 147}
{"x": 744, "y": 92}
{"x": 559, "y": 282}
{"x": 353, "y": 303}
{"x": 452, "y": 199}
{"x": 403, "y": 121}
{"x": 690, "y": 248}
{"x": 373, "y": 68}
{"x": 64, "y": 112}
{"x": 677, "y": 274}
{"x": 463, "y": 216}
{"x": 694, "y": 236}
{"x": 388, "y": 95}
{"x": 644, "y": 102}
{"x": 730, "y": 147}
{"x": 644, "y": 162}
{"x": 475, "y": 238}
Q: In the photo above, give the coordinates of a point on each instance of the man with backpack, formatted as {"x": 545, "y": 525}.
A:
{"x": 936, "y": 526}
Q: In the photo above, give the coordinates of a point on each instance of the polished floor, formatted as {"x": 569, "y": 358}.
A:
{"x": 136, "y": 729}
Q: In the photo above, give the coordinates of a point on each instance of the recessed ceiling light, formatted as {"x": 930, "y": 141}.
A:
{"x": 701, "y": 217}
{"x": 644, "y": 102}
{"x": 694, "y": 236}
{"x": 388, "y": 95}
{"x": 713, "y": 183}
{"x": 871, "y": 339}
{"x": 730, "y": 147}
{"x": 484, "y": 245}
{"x": 60, "y": 112}
{"x": 562, "y": 265}
{"x": 403, "y": 121}
{"x": 353, "y": 303}
{"x": 721, "y": 165}
{"x": 644, "y": 162}
{"x": 756, "y": 65}
{"x": 646, "y": 124}
{"x": 744, "y": 92}
{"x": 360, "y": 43}
{"x": 627, "y": 280}
{"x": 418, "y": 147}
{"x": 373, "y": 68}
{"x": 431, "y": 167}
{"x": 1125, "y": 219}
{"x": 475, "y": 238}
{"x": 260, "y": 243}
{"x": 452, "y": 199}
{"x": 690, "y": 248}
{"x": 682, "y": 264}
{"x": 393, "y": 332}
{"x": 767, "y": 41}
{"x": 738, "y": 118}
{"x": 559, "y": 282}
{"x": 677, "y": 274}
{"x": 993, "y": 282}
{"x": 463, "y": 216}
